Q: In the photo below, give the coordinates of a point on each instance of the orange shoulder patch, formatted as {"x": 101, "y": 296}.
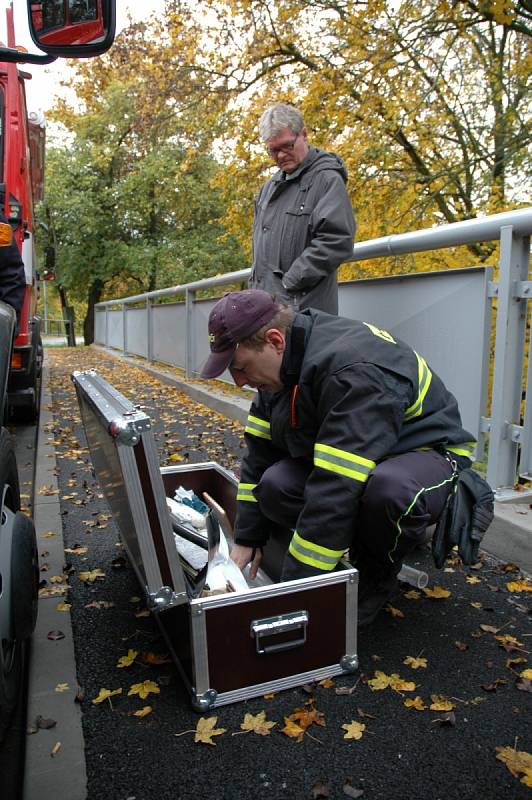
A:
{"x": 6, "y": 234}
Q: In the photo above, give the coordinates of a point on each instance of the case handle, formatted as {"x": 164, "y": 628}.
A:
{"x": 270, "y": 626}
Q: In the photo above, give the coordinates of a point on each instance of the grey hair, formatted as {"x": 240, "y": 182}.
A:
{"x": 282, "y": 320}
{"x": 278, "y": 117}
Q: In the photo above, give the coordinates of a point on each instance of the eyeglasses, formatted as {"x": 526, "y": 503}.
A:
{"x": 285, "y": 147}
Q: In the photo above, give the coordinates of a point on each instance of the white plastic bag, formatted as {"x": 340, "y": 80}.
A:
{"x": 222, "y": 570}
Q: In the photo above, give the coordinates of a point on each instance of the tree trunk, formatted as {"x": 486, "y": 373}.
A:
{"x": 93, "y": 296}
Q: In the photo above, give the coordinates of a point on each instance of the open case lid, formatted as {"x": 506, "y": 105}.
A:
{"x": 126, "y": 464}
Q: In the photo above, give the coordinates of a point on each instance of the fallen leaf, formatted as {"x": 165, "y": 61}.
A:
{"x": 395, "y": 612}
{"x": 143, "y": 712}
{"x": 350, "y": 791}
{"x": 320, "y": 792}
{"x": 440, "y": 703}
{"x": 488, "y": 629}
{"x": 519, "y": 586}
{"x": 47, "y": 491}
{"x": 127, "y": 661}
{"x": 518, "y": 762}
{"x": 506, "y": 639}
{"x": 415, "y": 663}
{"x": 326, "y": 683}
{"x": 438, "y": 593}
{"x": 354, "y": 729}
{"x": 413, "y": 594}
{"x": 364, "y": 714}
{"x": 155, "y": 659}
{"x": 144, "y": 689}
{"x": 205, "y": 730}
{"x": 105, "y": 694}
{"x": 62, "y": 687}
{"x": 293, "y": 730}
{"x": 476, "y": 605}
{"x": 526, "y": 673}
{"x": 447, "y": 719}
{"x": 524, "y": 684}
{"x": 461, "y": 646}
{"x": 45, "y": 724}
{"x": 77, "y": 550}
{"x": 257, "y": 724}
{"x": 92, "y": 575}
{"x": 49, "y": 534}
{"x": 99, "y": 604}
{"x": 511, "y": 662}
{"x": 416, "y": 703}
{"x": 472, "y": 579}
{"x": 63, "y": 606}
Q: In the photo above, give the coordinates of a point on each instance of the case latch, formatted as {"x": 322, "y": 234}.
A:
{"x": 272, "y": 626}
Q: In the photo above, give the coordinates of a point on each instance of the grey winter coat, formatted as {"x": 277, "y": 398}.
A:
{"x": 303, "y": 230}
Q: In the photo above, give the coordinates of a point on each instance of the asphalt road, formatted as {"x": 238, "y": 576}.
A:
{"x": 402, "y": 753}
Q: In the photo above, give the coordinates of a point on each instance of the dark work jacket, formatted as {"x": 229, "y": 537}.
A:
{"x": 358, "y": 396}
{"x": 12, "y": 276}
{"x": 303, "y": 230}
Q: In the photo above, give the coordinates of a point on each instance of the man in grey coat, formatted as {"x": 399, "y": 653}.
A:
{"x": 304, "y": 226}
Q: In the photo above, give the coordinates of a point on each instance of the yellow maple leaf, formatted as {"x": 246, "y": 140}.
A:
{"x": 205, "y": 729}
{"x": 105, "y": 694}
{"x": 354, "y": 729}
{"x": 395, "y": 612}
{"x": 526, "y": 673}
{"x": 258, "y": 724}
{"x": 476, "y": 605}
{"x": 413, "y": 594}
{"x": 511, "y": 662}
{"x": 438, "y": 593}
{"x": 440, "y": 703}
{"x": 63, "y": 606}
{"x": 507, "y": 639}
{"x": 416, "y": 703}
{"x": 472, "y": 579}
{"x": 144, "y": 689}
{"x": 518, "y": 762}
{"x": 327, "y": 683}
{"x": 176, "y": 457}
{"x": 92, "y": 575}
{"x": 127, "y": 661}
{"x": 381, "y": 681}
{"x": 293, "y": 730}
{"x": 415, "y": 663}
{"x": 143, "y": 712}
{"x": 78, "y": 550}
{"x": 400, "y": 685}
{"x": 62, "y": 687}
{"x": 519, "y": 586}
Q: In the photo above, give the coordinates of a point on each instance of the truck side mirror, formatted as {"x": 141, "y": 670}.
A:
{"x": 72, "y": 28}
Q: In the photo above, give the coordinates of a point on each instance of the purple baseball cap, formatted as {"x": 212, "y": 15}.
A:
{"x": 235, "y": 317}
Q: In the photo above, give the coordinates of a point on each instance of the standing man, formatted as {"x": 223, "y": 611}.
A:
{"x": 353, "y": 441}
{"x": 304, "y": 226}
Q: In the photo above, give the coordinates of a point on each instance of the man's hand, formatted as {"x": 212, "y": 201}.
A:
{"x": 243, "y": 555}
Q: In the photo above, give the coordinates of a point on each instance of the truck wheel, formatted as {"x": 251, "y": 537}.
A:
{"x": 12, "y": 650}
{"x": 25, "y": 572}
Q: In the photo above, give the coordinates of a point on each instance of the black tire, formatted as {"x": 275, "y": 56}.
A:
{"x": 12, "y": 653}
{"x": 25, "y": 568}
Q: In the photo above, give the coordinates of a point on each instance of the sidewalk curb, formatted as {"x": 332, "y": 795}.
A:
{"x": 509, "y": 538}
{"x": 52, "y": 662}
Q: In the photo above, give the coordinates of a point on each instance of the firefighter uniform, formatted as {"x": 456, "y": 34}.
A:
{"x": 355, "y": 453}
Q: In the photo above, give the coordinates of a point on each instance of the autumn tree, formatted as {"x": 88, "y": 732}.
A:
{"x": 427, "y": 101}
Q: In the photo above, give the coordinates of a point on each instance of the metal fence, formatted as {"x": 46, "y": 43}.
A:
{"x": 446, "y": 315}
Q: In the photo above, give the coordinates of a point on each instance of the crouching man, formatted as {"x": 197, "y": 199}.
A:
{"x": 352, "y": 440}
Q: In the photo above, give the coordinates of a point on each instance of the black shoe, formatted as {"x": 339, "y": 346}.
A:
{"x": 373, "y": 594}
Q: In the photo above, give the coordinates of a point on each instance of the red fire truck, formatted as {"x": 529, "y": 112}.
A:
{"x": 21, "y": 185}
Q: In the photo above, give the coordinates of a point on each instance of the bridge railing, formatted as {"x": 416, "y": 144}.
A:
{"x": 446, "y": 315}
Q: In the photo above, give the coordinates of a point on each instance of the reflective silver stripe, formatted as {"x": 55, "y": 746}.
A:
{"x": 245, "y": 492}
{"x": 258, "y": 427}
{"x": 314, "y": 554}
{"x": 342, "y": 462}
{"x": 424, "y": 380}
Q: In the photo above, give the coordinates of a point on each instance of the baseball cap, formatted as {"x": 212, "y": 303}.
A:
{"x": 235, "y": 317}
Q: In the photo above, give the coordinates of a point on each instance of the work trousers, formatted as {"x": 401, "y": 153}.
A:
{"x": 402, "y": 497}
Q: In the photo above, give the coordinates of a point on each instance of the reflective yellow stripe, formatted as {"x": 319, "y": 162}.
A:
{"x": 464, "y": 449}
{"x": 314, "y": 554}
{"x": 424, "y": 380}
{"x": 244, "y": 492}
{"x": 343, "y": 462}
{"x": 258, "y": 427}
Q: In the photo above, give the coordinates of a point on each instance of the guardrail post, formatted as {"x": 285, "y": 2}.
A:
{"x": 124, "y": 328}
{"x": 508, "y": 363}
{"x": 149, "y": 336}
{"x": 190, "y": 362}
